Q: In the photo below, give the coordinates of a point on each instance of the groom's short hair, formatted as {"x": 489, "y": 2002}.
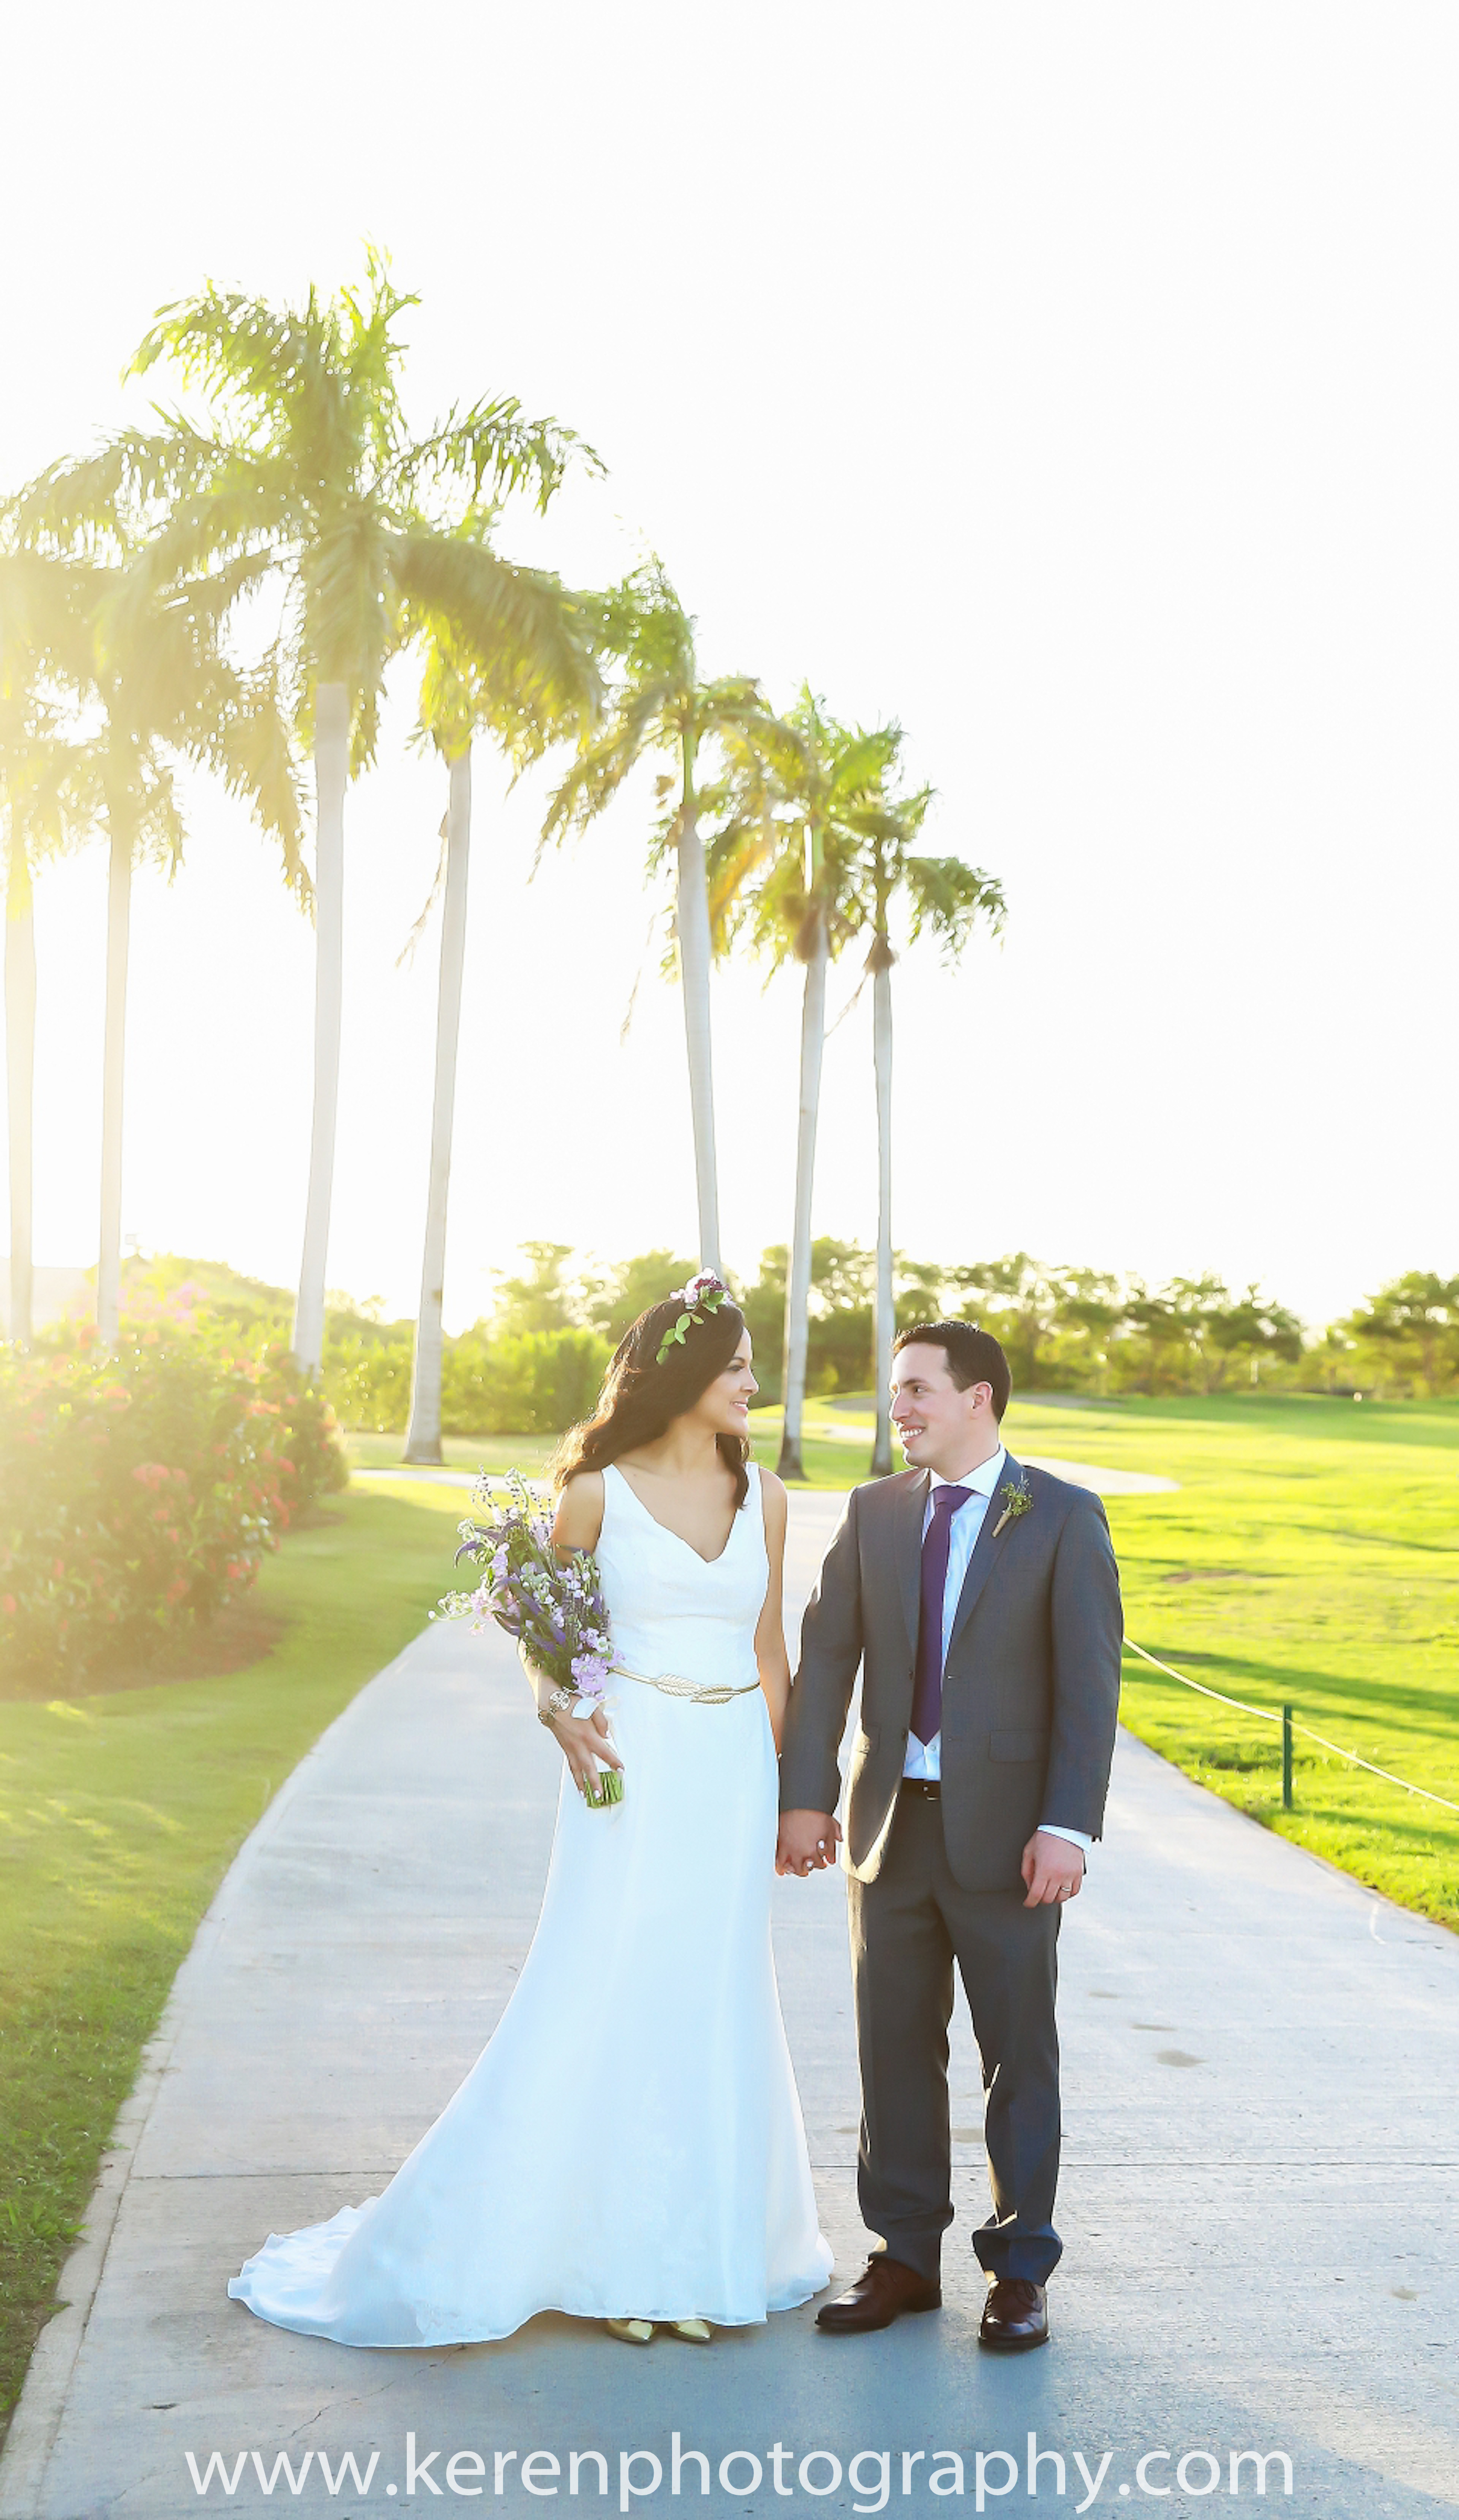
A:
{"x": 972, "y": 1355}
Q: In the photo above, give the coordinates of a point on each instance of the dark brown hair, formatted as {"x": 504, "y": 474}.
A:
{"x": 973, "y": 1356}
{"x": 640, "y": 1399}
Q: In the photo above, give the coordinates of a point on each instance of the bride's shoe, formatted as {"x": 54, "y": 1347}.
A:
{"x": 696, "y": 2331}
{"x": 633, "y": 2331}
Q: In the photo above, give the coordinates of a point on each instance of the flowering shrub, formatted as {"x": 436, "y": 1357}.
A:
{"x": 141, "y": 1489}
{"x": 313, "y": 1462}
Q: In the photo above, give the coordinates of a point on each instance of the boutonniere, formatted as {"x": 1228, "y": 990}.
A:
{"x": 1019, "y": 1500}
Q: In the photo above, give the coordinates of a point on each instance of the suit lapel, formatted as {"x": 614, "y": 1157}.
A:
{"x": 986, "y": 1551}
{"x": 911, "y": 1506}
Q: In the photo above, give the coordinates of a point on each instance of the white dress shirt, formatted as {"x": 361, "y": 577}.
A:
{"x": 925, "y": 1758}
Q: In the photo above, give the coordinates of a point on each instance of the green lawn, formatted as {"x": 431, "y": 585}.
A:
{"x": 1311, "y": 1555}
{"x": 118, "y": 1816}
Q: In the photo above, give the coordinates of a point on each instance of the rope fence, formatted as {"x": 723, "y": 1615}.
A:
{"x": 1289, "y": 1724}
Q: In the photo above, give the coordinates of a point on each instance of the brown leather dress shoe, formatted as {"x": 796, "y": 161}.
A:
{"x": 1014, "y": 2317}
{"x": 880, "y": 2296}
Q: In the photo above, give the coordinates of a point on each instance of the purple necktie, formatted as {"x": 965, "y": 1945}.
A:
{"x": 927, "y": 1687}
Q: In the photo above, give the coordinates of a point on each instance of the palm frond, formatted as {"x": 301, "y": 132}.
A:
{"x": 248, "y": 512}
{"x": 240, "y": 350}
{"x": 510, "y": 639}
{"x": 495, "y": 451}
{"x": 641, "y": 719}
{"x": 47, "y": 612}
{"x": 642, "y": 622}
{"x": 949, "y": 897}
{"x": 249, "y": 741}
{"x": 859, "y": 762}
{"x": 100, "y": 502}
{"x": 407, "y": 953}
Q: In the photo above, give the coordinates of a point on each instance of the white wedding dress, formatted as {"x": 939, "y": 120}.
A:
{"x": 629, "y": 2143}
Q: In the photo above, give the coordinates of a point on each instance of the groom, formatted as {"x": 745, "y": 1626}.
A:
{"x": 982, "y": 1599}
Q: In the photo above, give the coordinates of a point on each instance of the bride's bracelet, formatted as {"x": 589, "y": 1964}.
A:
{"x": 559, "y": 1702}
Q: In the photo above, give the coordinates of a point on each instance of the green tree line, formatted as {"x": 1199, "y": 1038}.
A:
{"x": 534, "y": 1363}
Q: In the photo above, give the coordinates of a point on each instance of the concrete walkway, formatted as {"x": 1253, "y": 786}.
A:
{"x": 1260, "y": 2176}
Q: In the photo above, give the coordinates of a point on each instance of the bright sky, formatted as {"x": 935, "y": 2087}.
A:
{"x": 1076, "y": 383}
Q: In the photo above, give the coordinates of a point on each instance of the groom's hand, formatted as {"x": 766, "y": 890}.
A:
{"x": 808, "y": 1843}
{"x": 1053, "y": 1869}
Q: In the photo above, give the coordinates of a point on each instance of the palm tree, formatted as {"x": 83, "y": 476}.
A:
{"x": 780, "y": 865}
{"x": 660, "y": 705}
{"x": 307, "y": 473}
{"x": 947, "y": 897}
{"x": 38, "y": 793}
{"x": 147, "y": 667}
{"x": 20, "y": 1074}
{"x": 524, "y": 699}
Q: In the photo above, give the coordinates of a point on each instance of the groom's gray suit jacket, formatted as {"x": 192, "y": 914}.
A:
{"x": 1030, "y": 1688}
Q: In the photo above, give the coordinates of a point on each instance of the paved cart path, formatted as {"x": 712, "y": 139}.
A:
{"x": 1260, "y": 2176}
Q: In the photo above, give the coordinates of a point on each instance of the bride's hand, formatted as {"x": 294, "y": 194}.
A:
{"x": 584, "y": 1740}
{"x": 587, "y": 1744}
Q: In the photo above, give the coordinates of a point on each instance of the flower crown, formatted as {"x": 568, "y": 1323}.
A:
{"x": 702, "y": 1296}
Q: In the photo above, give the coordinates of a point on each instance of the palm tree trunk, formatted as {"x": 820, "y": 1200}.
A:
{"x": 798, "y": 1277}
{"x": 692, "y": 923}
{"x": 881, "y": 998}
{"x": 19, "y": 1075}
{"x": 114, "y": 1081}
{"x": 423, "y": 1440}
{"x": 331, "y": 772}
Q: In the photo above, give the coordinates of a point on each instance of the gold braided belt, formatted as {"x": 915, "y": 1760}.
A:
{"x": 691, "y": 1690}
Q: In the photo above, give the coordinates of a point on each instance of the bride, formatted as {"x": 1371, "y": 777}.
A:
{"x": 629, "y": 2144}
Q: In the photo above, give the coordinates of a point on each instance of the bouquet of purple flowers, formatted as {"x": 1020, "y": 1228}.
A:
{"x": 553, "y": 1606}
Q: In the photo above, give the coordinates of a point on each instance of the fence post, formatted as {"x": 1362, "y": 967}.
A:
{"x": 1285, "y": 1758}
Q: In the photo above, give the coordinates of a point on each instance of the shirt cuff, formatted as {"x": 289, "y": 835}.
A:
{"x": 1075, "y": 1837}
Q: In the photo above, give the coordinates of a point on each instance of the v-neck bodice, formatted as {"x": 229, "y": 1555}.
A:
{"x": 672, "y": 1610}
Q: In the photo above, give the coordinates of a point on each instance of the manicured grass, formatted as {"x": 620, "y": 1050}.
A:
{"x": 465, "y": 1453}
{"x": 837, "y": 1449}
{"x": 1311, "y": 1555}
{"x": 118, "y": 1816}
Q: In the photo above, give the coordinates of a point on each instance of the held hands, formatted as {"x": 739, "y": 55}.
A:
{"x": 808, "y": 1843}
{"x": 1053, "y": 1869}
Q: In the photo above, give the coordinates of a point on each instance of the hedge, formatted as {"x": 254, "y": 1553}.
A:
{"x": 526, "y": 1382}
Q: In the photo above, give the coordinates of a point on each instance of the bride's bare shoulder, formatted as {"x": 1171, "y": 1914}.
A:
{"x": 579, "y": 1511}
